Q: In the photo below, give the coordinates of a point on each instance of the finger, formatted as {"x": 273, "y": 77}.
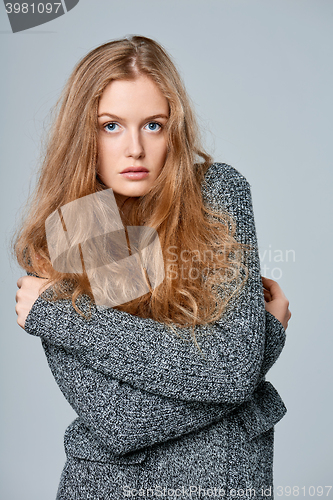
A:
{"x": 274, "y": 289}
{"x": 19, "y": 282}
{"x": 266, "y": 282}
{"x": 265, "y": 288}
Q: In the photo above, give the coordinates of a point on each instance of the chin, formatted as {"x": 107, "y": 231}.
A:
{"x": 136, "y": 193}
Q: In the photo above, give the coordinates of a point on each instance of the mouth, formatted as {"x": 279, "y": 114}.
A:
{"x": 135, "y": 173}
{"x": 134, "y": 169}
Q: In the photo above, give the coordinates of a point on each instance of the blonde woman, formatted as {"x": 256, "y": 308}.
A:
{"x": 169, "y": 387}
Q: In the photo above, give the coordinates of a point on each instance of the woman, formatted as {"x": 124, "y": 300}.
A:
{"x": 169, "y": 387}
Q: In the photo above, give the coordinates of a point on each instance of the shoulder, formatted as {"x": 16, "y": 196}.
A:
{"x": 225, "y": 184}
{"x": 222, "y": 173}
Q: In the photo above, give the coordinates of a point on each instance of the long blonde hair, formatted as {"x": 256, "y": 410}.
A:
{"x": 174, "y": 205}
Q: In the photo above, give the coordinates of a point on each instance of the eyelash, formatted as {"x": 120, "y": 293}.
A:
{"x": 115, "y": 123}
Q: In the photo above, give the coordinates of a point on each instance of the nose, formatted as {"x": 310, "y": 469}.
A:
{"x": 134, "y": 147}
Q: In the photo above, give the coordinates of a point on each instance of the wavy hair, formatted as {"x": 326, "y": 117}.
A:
{"x": 194, "y": 291}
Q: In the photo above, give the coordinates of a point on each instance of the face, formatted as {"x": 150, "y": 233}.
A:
{"x": 132, "y": 115}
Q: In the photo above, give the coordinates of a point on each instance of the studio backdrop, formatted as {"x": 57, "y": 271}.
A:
{"x": 259, "y": 73}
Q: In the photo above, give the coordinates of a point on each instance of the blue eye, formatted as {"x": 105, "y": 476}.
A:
{"x": 111, "y": 127}
{"x": 154, "y": 126}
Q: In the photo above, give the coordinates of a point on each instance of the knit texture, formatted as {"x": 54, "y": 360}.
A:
{"x": 152, "y": 411}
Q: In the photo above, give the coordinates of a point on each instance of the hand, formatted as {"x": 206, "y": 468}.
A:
{"x": 275, "y": 301}
{"x": 29, "y": 290}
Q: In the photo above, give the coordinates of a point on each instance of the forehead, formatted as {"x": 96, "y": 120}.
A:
{"x": 141, "y": 94}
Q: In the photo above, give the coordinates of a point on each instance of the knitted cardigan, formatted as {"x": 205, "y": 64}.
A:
{"x": 153, "y": 412}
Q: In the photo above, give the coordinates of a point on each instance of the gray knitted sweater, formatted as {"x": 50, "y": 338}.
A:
{"x": 139, "y": 389}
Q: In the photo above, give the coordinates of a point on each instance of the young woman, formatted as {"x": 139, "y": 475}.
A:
{"x": 169, "y": 387}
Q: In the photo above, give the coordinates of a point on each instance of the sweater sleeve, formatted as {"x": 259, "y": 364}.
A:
{"x": 275, "y": 340}
{"x": 120, "y": 417}
{"x": 145, "y": 354}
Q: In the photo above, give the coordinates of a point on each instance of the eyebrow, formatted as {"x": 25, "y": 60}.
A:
{"x": 115, "y": 117}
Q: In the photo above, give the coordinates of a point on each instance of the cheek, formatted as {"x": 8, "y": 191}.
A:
{"x": 107, "y": 151}
{"x": 161, "y": 151}
{"x": 100, "y": 151}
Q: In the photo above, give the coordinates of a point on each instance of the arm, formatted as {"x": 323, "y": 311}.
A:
{"x": 275, "y": 340}
{"x": 144, "y": 353}
{"x": 120, "y": 417}
{"x": 125, "y": 419}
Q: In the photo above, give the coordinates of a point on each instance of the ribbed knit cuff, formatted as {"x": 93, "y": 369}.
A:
{"x": 275, "y": 340}
{"x": 275, "y": 326}
{"x": 31, "y": 325}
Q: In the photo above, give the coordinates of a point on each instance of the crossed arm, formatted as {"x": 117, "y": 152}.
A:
{"x": 136, "y": 365}
{"x": 144, "y": 353}
{"x": 126, "y": 419}
{"x": 121, "y": 417}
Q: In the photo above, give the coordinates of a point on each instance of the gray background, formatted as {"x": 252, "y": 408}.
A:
{"x": 260, "y": 76}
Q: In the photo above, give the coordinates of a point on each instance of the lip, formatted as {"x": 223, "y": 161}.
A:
{"x": 134, "y": 169}
{"x": 135, "y": 175}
